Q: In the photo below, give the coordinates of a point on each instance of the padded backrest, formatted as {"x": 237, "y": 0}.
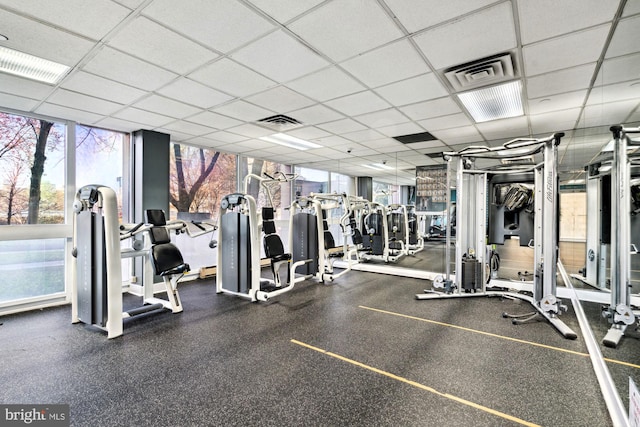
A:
{"x": 273, "y": 246}
{"x": 267, "y": 214}
{"x": 155, "y": 217}
{"x": 159, "y": 235}
{"x": 268, "y": 227}
{"x": 356, "y": 237}
{"x": 329, "y": 242}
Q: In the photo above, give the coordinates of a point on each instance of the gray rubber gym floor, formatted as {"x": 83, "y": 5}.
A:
{"x": 359, "y": 352}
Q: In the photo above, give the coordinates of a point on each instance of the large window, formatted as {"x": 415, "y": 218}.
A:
{"x": 280, "y": 191}
{"x": 311, "y": 181}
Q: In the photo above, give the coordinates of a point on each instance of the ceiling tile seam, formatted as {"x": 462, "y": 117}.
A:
{"x": 524, "y": 94}
{"x": 599, "y": 62}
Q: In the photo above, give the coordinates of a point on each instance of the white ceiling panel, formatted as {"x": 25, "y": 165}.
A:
{"x": 562, "y": 81}
{"x": 131, "y": 4}
{"x": 176, "y": 136}
{"x": 226, "y": 137}
{"x": 120, "y": 125}
{"x": 430, "y": 109}
{"x": 315, "y": 115}
{"x": 608, "y": 114}
{"x": 126, "y": 69}
{"x": 561, "y": 52}
{"x": 495, "y": 24}
{"x": 461, "y": 135}
{"x": 363, "y": 136}
{"x": 556, "y": 121}
{"x": 358, "y": 103}
{"x": 284, "y": 10}
{"x": 194, "y": 93}
{"x": 426, "y": 146}
{"x": 141, "y": 116}
{"x": 393, "y": 148}
{"x": 342, "y": 126}
{"x": 280, "y": 57}
{"x": 445, "y": 122}
{"x": 416, "y": 15}
{"x": 245, "y": 146}
{"x": 631, "y": 8}
{"x": 91, "y": 19}
{"x": 242, "y": 110}
{"x": 557, "y": 102}
{"x": 250, "y": 131}
{"x": 83, "y": 102}
{"x": 213, "y": 120}
{"x": 280, "y": 99}
{"x": 232, "y": 78}
{"x": 335, "y": 141}
{"x": 41, "y": 40}
{"x": 415, "y": 89}
{"x": 625, "y": 39}
{"x": 100, "y": 87}
{"x": 168, "y": 107}
{"x": 387, "y": 64}
{"x": 543, "y": 19}
{"x": 400, "y": 129}
{"x": 619, "y": 69}
{"x": 188, "y": 128}
{"x": 23, "y": 87}
{"x": 342, "y": 29}
{"x": 326, "y": 84}
{"x": 382, "y": 118}
{"x": 17, "y": 102}
{"x": 615, "y": 92}
{"x": 505, "y": 128}
{"x": 59, "y": 111}
{"x": 310, "y": 133}
{"x": 381, "y": 143}
{"x": 229, "y": 24}
{"x": 152, "y": 42}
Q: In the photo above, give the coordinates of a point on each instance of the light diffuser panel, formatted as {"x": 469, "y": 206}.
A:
{"x": 495, "y": 102}
{"x": 29, "y": 66}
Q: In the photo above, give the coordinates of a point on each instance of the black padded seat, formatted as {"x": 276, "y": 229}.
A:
{"x": 166, "y": 258}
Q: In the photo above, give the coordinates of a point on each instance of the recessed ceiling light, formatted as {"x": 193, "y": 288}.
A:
{"x": 29, "y": 66}
{"x": 378, "y": 167}
{"x": 290, "y": 141}
{"x": 495, "y": 102}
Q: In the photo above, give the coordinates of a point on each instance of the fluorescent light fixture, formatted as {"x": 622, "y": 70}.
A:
{"x": 31, "y": 67}
{"x": 495, "y": 102}
{"x": 378, "y": 167}
{"x": 290, "y": 141}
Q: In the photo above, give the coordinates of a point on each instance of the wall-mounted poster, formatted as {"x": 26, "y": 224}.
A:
{"x": 431, "y": 188}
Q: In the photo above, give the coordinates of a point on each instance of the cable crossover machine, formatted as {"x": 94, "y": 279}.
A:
{"x": 471, "y": 253}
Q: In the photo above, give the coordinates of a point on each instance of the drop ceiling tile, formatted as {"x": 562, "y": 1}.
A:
{"x": 607, "y": 114}
{"x": 280, "y": 57}
{"x": 154, "y": 43}
{"x": 335, "y": 141}
{"x": 514, "y": 127}
{"x": 359, "y": 103}
{"x": 17, "y": 102}
{"x": 175, "y": 136}
{"x": 416, "y": 15}
{"x": 131, "y": 4}
{"x": 310, "y": 133}
{"x": 615, "y": 92}
{"x": 231, "y": 77}
{"x": 24, "y": 87}
{"x": 244, "y": 111}
{"x": 382, "y": 118}
{"x": 545, "y": 19}
{"x": 241, "y": 147}
{"x": 120, "y": 125}
{"x": 280, "y": 99}
{"x": 151, "y": 120}
{"x": 342, "y": 126}
{"x": 83, "y": 102}
{"x": 498, "y": 35}
{"x": 41, "y": 40}
{"x": 426, "y": 146}
{"x": 445, "y": 122}
{"x": 363, "y": 135}
{"x": 326, "y": 84}
{"x": 100, "y": 87}
{"x": 213, "y": 120}
{"x": 194, "y": 93}
{"x": 188, "y": 128}
{"x": 93, "y": 20}
{"x": 228, "y": 24}
{"x": 66, "y": 113}
{"x": 415, "y": 89}
{"x": 461, "y": 135}
{"x": 400, "y": 129}
{"x": 283, "y": 11}
{"x": 557, "y": 102}
{"x": 315, "y": 115}
{"x": 620, "y": 69}
{"x": 631, "y": 8}
{"x": 562, "y": 81}
{"x": 346, "y": 28}
{"x": 625, "y": 39}
{"x": 556, "y": 121}
{"x": 430, "y": 109}
{"x": 168, "y": 107}
{"x": 251, "y": 131}
{"x": 126, "y": 69}
{"x": 560, "y": 52}
{"x": 386, "y": 64}
{"x": 226, "y": 137}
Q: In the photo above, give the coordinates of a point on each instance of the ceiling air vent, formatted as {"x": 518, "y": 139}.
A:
{"x": 483, "y": 72}
{"x": 279, "y": 123}
{"x": 415, "y": 137}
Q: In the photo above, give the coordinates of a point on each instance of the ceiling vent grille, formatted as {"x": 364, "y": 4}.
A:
{"x": 483, "y": 72}
{"x": 279, "y": 123}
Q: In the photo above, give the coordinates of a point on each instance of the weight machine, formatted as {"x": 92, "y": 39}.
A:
{"x": 239, "y": 262}
{"x": 472, "y": 254}
{"x": 97, "y": 256}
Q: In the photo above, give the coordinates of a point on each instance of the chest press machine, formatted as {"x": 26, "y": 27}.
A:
{"x": 472, "y": 255}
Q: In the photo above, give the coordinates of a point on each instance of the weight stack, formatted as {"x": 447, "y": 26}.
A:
{"x": 471, "y": 275}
